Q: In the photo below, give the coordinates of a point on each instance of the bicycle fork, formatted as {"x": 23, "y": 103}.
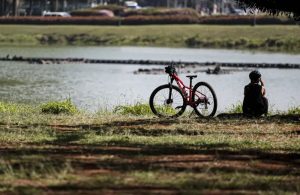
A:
{"x": 169, "y": 100}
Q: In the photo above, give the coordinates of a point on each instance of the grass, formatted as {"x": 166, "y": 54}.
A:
{"x": 268, "y": 38}
{"x": 113, "y": 152}
{"x": 136, "y": 109}
{"x": 9, "y": 107}
{"x": 59, "y": 107}
{"x": 42, "y": 169}
{"x": 294, "y": 110}
{"x": 236, "y": 108}
{"x": 143, "y": 109}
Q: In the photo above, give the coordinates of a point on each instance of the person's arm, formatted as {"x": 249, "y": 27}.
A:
{"x": 263, "y": 90}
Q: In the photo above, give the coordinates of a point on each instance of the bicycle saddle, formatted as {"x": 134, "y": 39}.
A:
{"x": 191, "y": 76}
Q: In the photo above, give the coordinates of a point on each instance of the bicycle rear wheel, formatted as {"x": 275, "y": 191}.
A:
{"x": 205, "y": 100}
{"x": 167, "y": 102}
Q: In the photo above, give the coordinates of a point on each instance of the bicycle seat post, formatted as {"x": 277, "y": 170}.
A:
{"x": 191, "y": 79}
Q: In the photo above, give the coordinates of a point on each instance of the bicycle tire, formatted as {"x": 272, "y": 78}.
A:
{"x": 158, "y": 109}
{"x": 213, "y": 98}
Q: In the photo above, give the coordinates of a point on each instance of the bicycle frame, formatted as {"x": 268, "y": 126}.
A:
{"x": 188, "y": 92}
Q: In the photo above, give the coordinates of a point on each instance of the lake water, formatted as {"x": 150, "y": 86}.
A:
{"x": 95, "y": 86}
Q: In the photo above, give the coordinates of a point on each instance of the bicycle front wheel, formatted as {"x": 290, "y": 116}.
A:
{"x": 166, "y": 101}
{"x": 205, "y": 100}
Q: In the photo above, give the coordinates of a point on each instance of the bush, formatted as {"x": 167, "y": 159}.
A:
{"x": 59, "y": 107}
{"x": 170, "y": 17}
{"x": 161, "y": 12}
{"x": 117, "y": 10}
{"x": 86, "y": 13}
{"x": 142, "y": 20}
{"x": 61, "y": 20}
{"x": 99, "y": 13}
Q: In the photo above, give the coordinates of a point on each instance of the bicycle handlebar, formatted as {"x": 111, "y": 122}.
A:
{"x": 170, "y": 69}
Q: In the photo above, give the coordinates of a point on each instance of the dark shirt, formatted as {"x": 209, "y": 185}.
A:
{"x": 253, "y": 103}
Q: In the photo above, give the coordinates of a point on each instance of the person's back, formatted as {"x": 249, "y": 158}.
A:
{"x": 255, "y": 104}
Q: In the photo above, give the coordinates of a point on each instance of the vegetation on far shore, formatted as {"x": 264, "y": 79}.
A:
{"x": 265, "y": 38}
{"x": 126, "y": 152}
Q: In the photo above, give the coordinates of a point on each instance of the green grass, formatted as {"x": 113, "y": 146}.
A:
{"x": 59, "y": 107}
{"x": 9, "y": 107}
{"x": 269, "y": 38}
{"x": 127, "y": 153}
{"x": 236, "y": 108}
{"x": 143, "y": 109}
{"x": 294, "y": 110}
{"x": 137, "y": 109}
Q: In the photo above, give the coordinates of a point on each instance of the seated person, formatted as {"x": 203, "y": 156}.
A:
{"x": 255, "y": 103}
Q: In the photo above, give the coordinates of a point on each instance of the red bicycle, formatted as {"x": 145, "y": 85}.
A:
{"x": 171, "y": 101}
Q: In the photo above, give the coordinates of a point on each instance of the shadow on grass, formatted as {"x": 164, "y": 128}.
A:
{"x": 191, "y": 186}
{"x": 157, "y": 127}
{"x": 172, "y": 158}
{"x": 270, "y": 118}
{"x": 67, "y": 137}
{"x": 125, "y": 158}
{"x": 106, "y": 185}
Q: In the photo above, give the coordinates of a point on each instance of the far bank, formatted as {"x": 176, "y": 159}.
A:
{"x": 278, "y": 38}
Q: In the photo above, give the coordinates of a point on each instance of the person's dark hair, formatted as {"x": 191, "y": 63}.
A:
{"x": 254, "y": 75}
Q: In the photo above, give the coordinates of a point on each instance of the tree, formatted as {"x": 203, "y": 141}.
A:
{"x": 274, "y": 7}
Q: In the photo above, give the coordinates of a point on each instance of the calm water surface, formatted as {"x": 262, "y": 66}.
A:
{"x": 95, "y": 86}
